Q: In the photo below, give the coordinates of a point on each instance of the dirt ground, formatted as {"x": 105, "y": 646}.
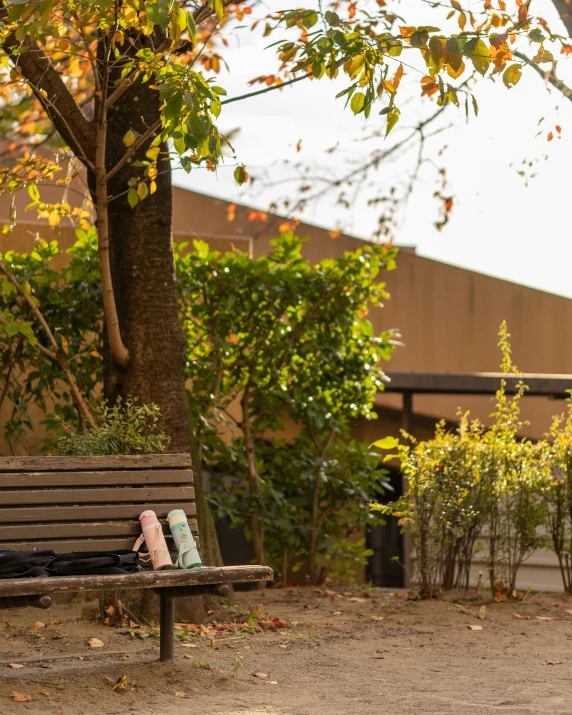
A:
{"x": 326, "y": 654}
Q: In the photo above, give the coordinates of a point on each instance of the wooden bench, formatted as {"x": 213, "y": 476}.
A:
{"x": 93, "y": 504}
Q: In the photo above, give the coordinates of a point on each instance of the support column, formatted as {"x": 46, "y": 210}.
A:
{"x": 167, "y": 635}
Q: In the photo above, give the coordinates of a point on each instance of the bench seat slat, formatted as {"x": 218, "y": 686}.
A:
{"x": 78, "y": 464}
{"x": 19, "y": 515}
{"x": 111, "y": 495}
{"x": 143, "y": 579}
{"x": 78, "y": 530}
{"x": 142, "y": 477}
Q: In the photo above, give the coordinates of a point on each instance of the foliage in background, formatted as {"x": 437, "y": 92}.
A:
{"x": 558, "y": 493}
{"x": 285, "y": 339}
{"x": 66, "y": 290}
{"x": 350, "y": 477}
{"x": 268, "y": 340}
{"x": 480, "y": 490}
{"x": 123, "y": 429}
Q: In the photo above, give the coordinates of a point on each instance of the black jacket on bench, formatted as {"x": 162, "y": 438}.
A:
{"x": 22, "y": 564}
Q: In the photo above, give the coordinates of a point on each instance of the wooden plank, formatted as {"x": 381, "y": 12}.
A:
{"x": 82, "y": 464}
{"x": 67, "y": 546}
{"x": 72, "y": 530}
{"x": 143, "y": 477}
{"x": 143, "y": 579}
{"x": 112, "y": 512}
{"x": 112, "y": 495}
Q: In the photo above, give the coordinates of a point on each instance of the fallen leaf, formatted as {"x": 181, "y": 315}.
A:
{"x": 189, "y": 645}
{"x": 355, "y": 599}
{"x": 522, "y": 618}
{"x": 210, "y": 612}
{"x": 55, "y": 622}
{"x": 553, "y": 662}
{"x": 180, "y": 694}
{"x": 272, "y": 682}
{"x": 260, "y": 675}
{"x": 475, "y": 628}
{"x": 95, "y": 643}
{"x": 277, "y": 623}
{"x": 377, "y": 618}
{"x": 59, "y": 712}
{"x": 543, "y": 618}
{"x": 265, "y": 624}
{"x": 400, "y": 595}
{"x": 257, "y": 612}
{"x": 337, "y": 613}
{"x": 482, "y": 614}
{"x": 15, "y": 665}
{"x": 569, "y": 611}
{"x": 45, "y": 692}
{"x": 332, "y": 594}
{"x": 188, "y": 656}
{"x": 282, "y": 645}
{"x": 20, "y": 697}
{"x": 120, "y": 683}
{"x": 39, "y": 624}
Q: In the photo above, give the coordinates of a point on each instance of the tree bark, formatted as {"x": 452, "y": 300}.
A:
{"x": 143, "y": 275}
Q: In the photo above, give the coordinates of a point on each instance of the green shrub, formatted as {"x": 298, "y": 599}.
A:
{"x": 125, "y": 429}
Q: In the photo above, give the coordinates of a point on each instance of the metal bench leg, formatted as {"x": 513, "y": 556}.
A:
{"x": 167, "y": 636}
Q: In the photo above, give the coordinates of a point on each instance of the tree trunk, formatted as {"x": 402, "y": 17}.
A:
{"x": 143, "y": 275}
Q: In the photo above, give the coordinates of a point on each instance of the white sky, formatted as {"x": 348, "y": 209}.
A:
{"x": 498, "y": 226}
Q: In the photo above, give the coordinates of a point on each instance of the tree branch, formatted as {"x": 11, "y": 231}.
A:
{"x": 548, "y": 76}
{"x": 266, "y": 89}
{"x": 57, "y": 353}
{"x": 58, "y": 101}
{"x": 133, "y": 149}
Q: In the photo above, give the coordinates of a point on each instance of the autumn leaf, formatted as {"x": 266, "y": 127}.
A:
{"x": 429, "y": 86}
{"x": 550, "y": 137}
{"x": 512, "y": 75}
{"x": 18, "y": 697}
{"x": 358, "y": 102}
{"x": 240, "y": 175}
{"x": 129, "y": 138}
{"x": 180, "y": 694}
{"x": 262, "y": 676}
{"x": 334, "y": 234}
{"x": 475, "y": 628}
{"x": 95, "y": 643}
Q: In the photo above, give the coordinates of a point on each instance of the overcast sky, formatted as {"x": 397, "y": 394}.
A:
{"x": 499, "y": 225}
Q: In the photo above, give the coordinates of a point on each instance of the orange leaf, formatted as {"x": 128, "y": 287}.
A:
{"x": 230, "y": 212}
{"x": 522, "y": 14}
{"x": 334, "y": 234}
{"x": 550, "y": 137}
{"x": 558, "y": 128}
{"x": 428, "y": 86}
{"x": 18, "y": 697}
{"x": 398, "y": 76}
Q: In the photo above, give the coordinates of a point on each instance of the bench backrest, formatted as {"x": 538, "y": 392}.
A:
{"x": 89, "y": 503}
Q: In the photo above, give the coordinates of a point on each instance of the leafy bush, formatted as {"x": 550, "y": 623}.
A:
{"x": 478, "y": 488}
{"x": 125, "y": 429}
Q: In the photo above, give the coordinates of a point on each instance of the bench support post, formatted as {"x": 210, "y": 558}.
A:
{"x": 167, "y": 634}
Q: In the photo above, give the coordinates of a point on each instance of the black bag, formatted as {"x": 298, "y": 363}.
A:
{"x": 95, "y": 562}
{"x": 22, "y": 564}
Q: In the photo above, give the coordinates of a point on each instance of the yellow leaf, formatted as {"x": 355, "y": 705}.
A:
{"x": 129, "y": 138}
{"x": 65, "y": 345}
{"x": 142, "y": 190}
{"x": 95, "y": 643}
{"x": 388, "y": 86}
{"x": 152, "y": 153}
{"x": 152, "y": 187}
{"x": 54, "y": 218}
{"x": 119, "y": 37}
{"x": 512, "y": 75}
